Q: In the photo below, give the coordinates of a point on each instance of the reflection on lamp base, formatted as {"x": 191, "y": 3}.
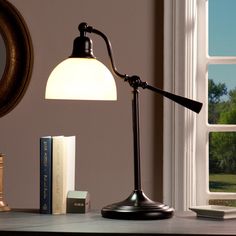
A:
{"x": 137, "y": 207}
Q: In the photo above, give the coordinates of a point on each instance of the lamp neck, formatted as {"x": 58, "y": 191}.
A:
{"x": 134, "y": 81}
{"x": 84, "y": 28}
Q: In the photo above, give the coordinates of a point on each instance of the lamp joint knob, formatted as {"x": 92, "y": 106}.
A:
{"x": 136, "y": 82}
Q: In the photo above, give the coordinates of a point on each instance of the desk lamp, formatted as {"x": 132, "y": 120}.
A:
{"x": 83, "y": 77}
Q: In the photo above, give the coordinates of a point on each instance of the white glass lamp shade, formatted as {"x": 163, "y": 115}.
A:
{"x": 81, "y": 79}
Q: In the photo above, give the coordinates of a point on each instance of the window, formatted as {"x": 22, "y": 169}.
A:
{"x": 199, "y": 60}
{"x": 216, "y": 136}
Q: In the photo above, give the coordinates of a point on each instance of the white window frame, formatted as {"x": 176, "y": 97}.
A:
{"x": 203, "y": 194}
{"x": 186, "y": 178}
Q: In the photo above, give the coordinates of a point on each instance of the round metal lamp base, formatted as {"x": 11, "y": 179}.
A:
{"x": 137, "y": 207}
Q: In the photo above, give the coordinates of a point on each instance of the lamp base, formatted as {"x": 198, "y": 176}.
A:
{"x": 137, "y": 207}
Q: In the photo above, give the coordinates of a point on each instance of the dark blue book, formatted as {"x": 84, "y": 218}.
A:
{"x": 46, "y": 175}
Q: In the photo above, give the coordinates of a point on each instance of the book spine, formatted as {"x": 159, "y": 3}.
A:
{"x": 59, "y": 176}
{"x": 70, "y": 162}
{"x": 45, "y": 175}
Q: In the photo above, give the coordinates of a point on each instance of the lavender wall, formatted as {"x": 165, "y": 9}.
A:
{"x": 103, "y": 129}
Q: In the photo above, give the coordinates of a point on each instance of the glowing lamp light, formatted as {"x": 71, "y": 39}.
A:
{"x": 72, "y": 78}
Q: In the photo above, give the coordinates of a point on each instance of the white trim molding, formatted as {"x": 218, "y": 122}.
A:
{"x": 180, "y": 49}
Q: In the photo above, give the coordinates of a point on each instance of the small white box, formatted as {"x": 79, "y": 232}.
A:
{"x": 78, "y": 202}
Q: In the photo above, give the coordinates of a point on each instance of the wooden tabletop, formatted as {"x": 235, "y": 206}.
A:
{"x": 92, "y": 223}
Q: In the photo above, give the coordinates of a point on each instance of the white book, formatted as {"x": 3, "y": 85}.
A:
{"x": 63, "y": 180}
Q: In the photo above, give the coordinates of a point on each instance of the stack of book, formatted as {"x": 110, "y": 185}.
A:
{"x": 57, "y": 172}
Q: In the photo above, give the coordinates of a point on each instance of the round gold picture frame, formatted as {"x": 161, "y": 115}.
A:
{"x": 19, "y": 57}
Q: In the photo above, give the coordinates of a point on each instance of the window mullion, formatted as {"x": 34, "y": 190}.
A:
{"x": 221, "y": 128}
{"x": 221, "y": 60}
